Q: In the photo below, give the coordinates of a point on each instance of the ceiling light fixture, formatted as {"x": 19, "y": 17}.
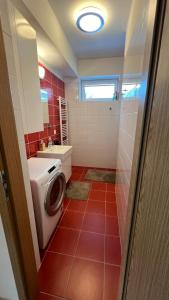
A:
{"x": 90, "y": 19}
{"x": 41, "y": 70}
{"x": 25, "y": 30}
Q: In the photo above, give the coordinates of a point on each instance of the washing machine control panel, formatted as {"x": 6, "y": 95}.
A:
{"x": 51, "y": 169}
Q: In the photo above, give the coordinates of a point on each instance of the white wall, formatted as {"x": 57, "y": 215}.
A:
{"x": 42, "y": 18}
{"x": 100, "y": 66}
{"x": 26, "y": 60}
{"x": 127, "y": 128}
{"x": 7, "y": 282}
{"x": 18, "y": 118}
{"x": 93, "y": 129}
{"x": 133, "y": 67}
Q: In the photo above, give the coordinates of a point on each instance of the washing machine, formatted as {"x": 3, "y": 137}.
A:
{"x": 48, "y": 186}
{"x": 62, "y": 152}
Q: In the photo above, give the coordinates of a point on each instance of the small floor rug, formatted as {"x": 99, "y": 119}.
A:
{"x": 101, "y": 175}
{"x": 78, "y": 190}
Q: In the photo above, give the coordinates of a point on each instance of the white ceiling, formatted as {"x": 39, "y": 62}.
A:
{"x": 109, "y": 41}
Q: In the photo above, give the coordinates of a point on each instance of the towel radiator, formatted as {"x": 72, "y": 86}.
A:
{"x": 63, "y": 115}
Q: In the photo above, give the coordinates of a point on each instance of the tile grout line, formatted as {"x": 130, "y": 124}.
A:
{"x": 75, "y": 250}
{"x": 84, "y": 258}
{"x": 104, "y": 259}
{"x": 87, "y": 231}
{"x": 76, "y": 229}
{"x": 88, "y": 212}
{"x": 47, "y": 250}
{"x": 76, "y": 246}
{"x": 83, "y": 213}
{"x": 104, "y": 249}
{"x": 56, "y": 229}
{"x": 119, "y": 228}
{"x": 54, "y": 296}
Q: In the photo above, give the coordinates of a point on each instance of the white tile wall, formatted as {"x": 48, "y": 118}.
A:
{"x": 133, "y": 68}
{"x": 18, "y": 117}
{"x": 127, "y": 128}
{"x": 93, "y": 129}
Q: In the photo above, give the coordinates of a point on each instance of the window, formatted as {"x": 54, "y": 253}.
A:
{"x": 99, "y": 90}
{"x": 129, "y": 90}
{"x": 44, "y": 95}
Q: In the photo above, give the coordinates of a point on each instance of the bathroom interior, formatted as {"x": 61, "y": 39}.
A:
{"x": 77, "y": 73}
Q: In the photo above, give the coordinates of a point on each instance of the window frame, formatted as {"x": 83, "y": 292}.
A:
{"x": 99, "y": 82}
{"x": 132, "y": 81}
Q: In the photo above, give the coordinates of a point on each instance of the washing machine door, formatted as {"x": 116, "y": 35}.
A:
{"x": 55, "y": 194}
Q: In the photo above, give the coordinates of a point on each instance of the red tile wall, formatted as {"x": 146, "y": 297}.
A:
{"x": 55, "y": 88}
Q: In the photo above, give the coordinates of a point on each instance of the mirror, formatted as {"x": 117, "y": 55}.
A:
{"x": 44, "y": 100}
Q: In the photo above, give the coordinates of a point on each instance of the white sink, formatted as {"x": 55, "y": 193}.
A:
{"x": 56, "y": 151}
{"x": 61, "y": 152}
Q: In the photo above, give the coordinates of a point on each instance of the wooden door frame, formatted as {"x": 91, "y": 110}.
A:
{"x": 13, "y": 208}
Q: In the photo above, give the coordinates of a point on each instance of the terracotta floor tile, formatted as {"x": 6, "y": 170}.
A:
{"x": 97, "y": 195}
{"x": 77, "y": 205}
{"x": 111, "y": 187}
{"x": 112, "y": 250}
{"x": 84, "y": 180}
{"x": 112, "y": 275}
{"x": 96, "y": 207}
{"x": 112, "y": 226}
{"x": 65, "y": 203}
{"x": 110, "y": 196}
{"x": 94, "y": 223}
{"x": 76, "y": 176}
{"x": 86, "y": 281}
{"x": 101, "y": 186}
{"x": 72, "y": 219}
{"x": 91, "y": 245}
{"x": 77, "y": 169}
{"x": 54, "y": 273}
{"x": 48, "y": 297}
{"x": 63, "y": 276}
{"x": 111, "y": 209}
{"x": 64, "y": 241}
